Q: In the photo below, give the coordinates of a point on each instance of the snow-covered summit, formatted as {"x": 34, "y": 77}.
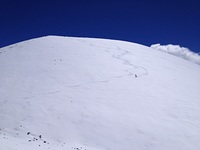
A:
{"x": 64, "y": 93}
{"x": 179, "y": 51}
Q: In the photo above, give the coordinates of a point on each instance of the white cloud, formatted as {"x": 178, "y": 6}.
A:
{"x": 178, "y": 51}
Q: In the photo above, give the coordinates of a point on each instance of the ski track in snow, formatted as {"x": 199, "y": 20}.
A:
{"x": 125, "y": 62}
{"x": 40, "y": 94}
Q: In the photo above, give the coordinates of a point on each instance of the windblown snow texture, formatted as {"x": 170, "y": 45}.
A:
{"x": 63, "y": 93}
{"x": 179, "y": 51}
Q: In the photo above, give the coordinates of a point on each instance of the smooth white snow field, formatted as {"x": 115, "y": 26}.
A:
{"x": 64, "y": 93}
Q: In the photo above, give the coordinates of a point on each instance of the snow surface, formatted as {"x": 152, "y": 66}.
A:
{"x": 179, "y": 51}
{"x": 82, "y": 94}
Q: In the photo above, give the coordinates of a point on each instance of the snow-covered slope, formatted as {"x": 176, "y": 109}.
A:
{"x": 96, "y": 94}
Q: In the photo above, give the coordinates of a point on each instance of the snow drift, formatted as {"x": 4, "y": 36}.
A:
{"x": 63, "y": 93}
{"x": 179, "y": 51}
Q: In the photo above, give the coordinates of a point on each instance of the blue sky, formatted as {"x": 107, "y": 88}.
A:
{"x": 144, "y": 21}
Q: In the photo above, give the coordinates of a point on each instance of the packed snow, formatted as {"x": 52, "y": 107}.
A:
{"x": 179, "y": 51}
{"x": 64, "y": 93}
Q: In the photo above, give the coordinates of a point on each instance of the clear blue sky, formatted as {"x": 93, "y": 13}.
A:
{"x": 143, "y": 21}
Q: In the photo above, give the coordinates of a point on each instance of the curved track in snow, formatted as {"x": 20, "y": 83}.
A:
{"x": 135, "y": 71}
